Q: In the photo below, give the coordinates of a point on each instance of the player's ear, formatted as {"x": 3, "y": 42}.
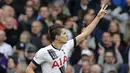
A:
{"x": 57, "y": 37}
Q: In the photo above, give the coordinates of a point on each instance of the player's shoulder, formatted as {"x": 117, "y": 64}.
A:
{"x": 43, "y": 53}
{"x": 44, "y": 50}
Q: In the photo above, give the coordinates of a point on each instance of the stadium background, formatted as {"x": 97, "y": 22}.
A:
{"x": 24, "y": 26}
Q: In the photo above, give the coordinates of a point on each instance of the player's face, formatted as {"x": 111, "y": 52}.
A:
{"x": 63, "y": 36}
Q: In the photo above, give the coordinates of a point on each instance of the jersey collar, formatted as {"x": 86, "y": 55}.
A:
{"x": 55, "y": 47}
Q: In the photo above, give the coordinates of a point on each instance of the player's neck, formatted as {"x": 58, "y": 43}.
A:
{"x": 57, "y": 44}
{"x": 1, "y": 43}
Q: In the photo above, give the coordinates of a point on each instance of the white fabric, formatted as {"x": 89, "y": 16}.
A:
{"x": 6, "y": 49}
{"x": 46, "y": 61}
{"x": 92, "y": 43}
{"x": 86, "y": 52}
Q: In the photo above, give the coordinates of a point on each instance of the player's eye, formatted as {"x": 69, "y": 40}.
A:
{"x": 64, "y": 33}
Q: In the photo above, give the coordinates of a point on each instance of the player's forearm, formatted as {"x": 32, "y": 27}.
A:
{"x": 29, "y": 70}
{"x": 87, "y": 31}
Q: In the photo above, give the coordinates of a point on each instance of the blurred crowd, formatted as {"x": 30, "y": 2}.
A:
{"x": 24, "y": 28}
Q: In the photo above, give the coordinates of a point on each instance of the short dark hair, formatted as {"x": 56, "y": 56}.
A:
{"x": 43, "y": 5}
{"x": 14, "y": 59}
{"x": 54, "y": 30}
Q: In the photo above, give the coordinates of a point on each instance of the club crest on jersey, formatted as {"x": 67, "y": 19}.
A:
{"x": 52, "y": 54}
{"x": 60, "y": 62}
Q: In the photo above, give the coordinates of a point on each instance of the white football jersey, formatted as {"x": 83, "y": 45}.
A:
{"x": 53, "y": 60}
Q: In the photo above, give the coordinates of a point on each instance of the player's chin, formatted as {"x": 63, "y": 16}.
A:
{"x": 65, "y": 42}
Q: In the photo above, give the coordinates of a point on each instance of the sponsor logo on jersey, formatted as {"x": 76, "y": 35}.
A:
{"x": 60, "y": 62}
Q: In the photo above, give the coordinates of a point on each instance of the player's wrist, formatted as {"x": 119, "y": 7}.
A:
{"x": 97, "y": 18}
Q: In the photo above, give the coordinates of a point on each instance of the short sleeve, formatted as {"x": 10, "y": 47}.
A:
{"x": 38, "y": 58}
{"x": 69, "y": 45}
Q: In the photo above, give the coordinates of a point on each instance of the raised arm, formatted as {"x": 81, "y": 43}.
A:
{"x": 91, "y": 26}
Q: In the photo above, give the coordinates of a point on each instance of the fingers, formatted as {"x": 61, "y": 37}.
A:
{"x": 104, "y": 7}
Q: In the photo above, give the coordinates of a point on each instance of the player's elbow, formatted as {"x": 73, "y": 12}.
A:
{"x": 80, "y": 38}
{"x": 29, "y": 70}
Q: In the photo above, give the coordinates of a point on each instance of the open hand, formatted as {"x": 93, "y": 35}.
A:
{"x": 102, "y": 11}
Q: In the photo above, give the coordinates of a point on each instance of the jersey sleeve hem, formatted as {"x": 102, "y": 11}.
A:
{"x": 35, "y": 63}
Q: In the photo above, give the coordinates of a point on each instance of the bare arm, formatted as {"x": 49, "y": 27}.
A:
{"x": 91, "y": 26}
{"x": 30, "y": 68}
